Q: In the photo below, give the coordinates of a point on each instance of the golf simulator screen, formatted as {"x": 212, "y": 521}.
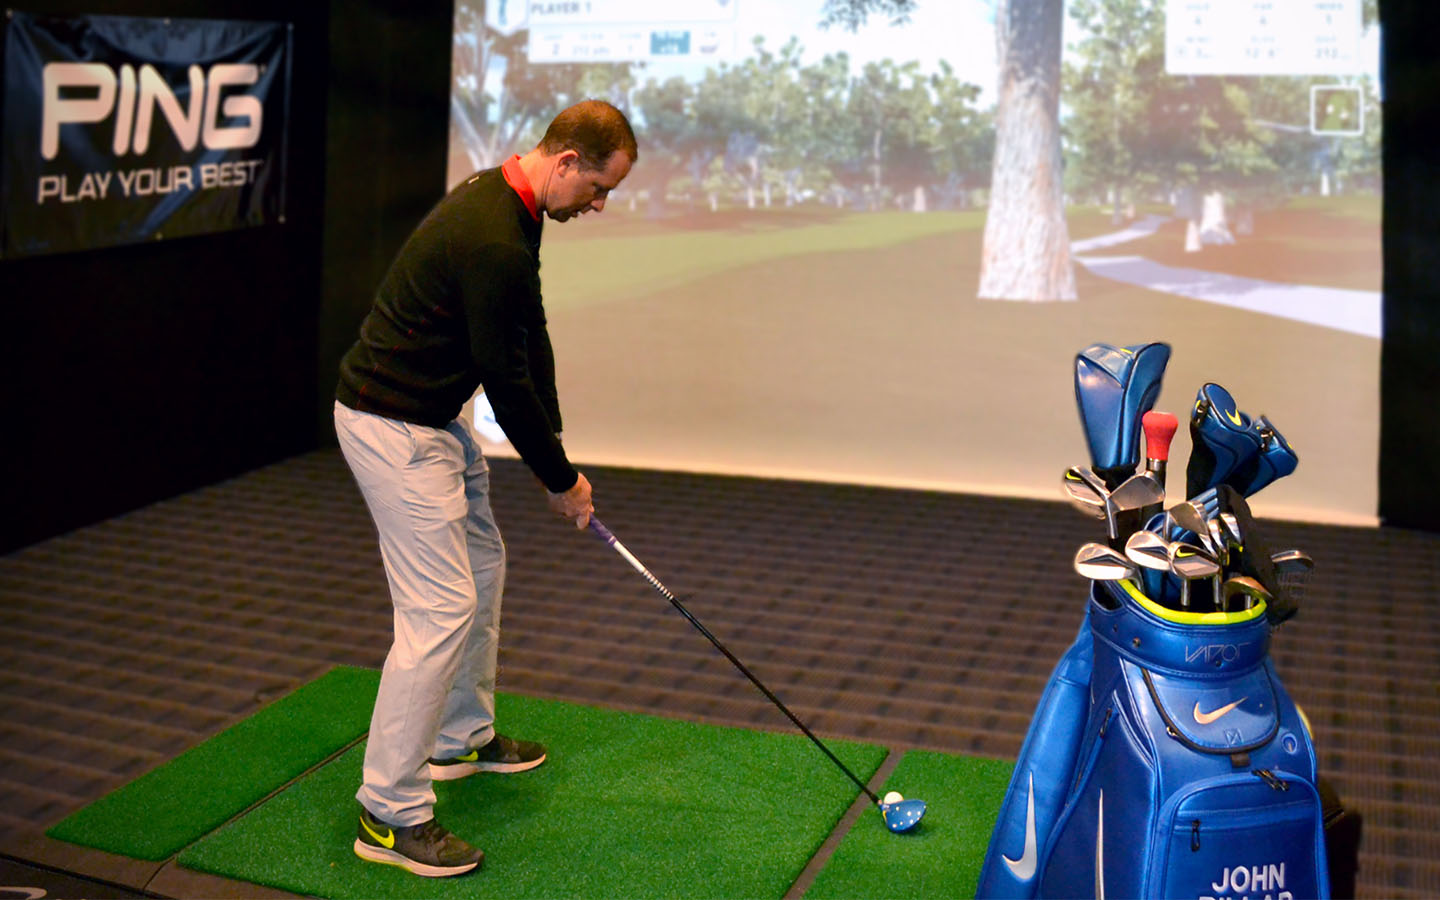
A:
{"x": 865, "y": 239}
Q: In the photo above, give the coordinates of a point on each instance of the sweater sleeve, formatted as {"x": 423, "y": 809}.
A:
{"x": 501, "y": 293}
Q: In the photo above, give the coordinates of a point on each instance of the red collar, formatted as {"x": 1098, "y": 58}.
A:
{"x": 515, "y": 177}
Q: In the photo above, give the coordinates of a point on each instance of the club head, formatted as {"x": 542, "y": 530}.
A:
{"x": 1191, "y": 563}
{"x": 1190, "y": 518}
{"x": 1243, "y": 586}
{"x": 1082, "y": 495}
{"x": 1101, "y": 563}
{"x": 902, "y": 815}
{"x": 1291, "y": 561}
{"x": 1084, "y": 475}
{"x": 1149, "y": 550}
{"x": 1233, "y": 538}
{"x": 1217, "y": 541}
{"x": 1137, "y": 492}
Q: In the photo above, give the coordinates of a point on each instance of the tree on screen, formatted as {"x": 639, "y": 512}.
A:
{"x": 492, "y": 117}
{"x": 1026, "y": 249}
{"x": 1121, "y": 55}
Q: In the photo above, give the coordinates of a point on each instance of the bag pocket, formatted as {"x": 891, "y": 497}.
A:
{"x": 1249, "y": 834}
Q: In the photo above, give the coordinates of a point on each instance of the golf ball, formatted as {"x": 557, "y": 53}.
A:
{"x": 892, "y": 797}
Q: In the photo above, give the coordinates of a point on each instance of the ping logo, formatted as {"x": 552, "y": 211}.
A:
{"x": 131, "y": 97}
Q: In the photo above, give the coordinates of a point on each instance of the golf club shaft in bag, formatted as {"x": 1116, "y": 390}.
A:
{"x": 898, "y": 816}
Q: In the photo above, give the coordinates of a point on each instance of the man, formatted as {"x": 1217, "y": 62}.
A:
{"x": 460, "y": 308}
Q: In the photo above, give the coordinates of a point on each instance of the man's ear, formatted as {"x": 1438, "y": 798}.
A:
{"x": 567, "y": 162}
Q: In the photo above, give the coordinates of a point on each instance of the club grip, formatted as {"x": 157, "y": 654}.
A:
{"x": 1159, "y": 430}
{"x": 599, "y": 528}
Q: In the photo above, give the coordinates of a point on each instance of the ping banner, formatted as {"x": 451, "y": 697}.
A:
{"x": 120, "y": 129}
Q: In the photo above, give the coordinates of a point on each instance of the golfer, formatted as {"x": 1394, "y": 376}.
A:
{"x": 460, "y": 309}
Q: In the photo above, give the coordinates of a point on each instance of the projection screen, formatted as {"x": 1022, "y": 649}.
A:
{"x": 865, "y": 239}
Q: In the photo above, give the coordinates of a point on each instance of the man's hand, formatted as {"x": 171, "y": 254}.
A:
{"x": 574, "y": 504}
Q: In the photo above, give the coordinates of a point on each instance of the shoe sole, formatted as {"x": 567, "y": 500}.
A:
{"x": 461, "y": 770}
{"x": 371, "y": 853}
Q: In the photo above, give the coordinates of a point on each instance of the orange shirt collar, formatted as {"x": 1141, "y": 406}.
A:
{"x": 515, "y": 177}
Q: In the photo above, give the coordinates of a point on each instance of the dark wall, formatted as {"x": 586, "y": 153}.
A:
{"x": 1410, "y": 358}
{"x": 136, "y": 373}
{"x": 389, "y": 127}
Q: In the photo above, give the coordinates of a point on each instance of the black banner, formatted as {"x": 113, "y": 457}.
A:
{"x": 119, "y": 130}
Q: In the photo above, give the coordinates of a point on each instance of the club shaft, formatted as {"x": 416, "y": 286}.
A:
{"x": 699, "y": 626}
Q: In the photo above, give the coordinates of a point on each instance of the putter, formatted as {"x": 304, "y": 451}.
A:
{"x": 899, "y": 816}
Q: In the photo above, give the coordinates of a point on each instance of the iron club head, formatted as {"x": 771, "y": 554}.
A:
{"x": 1101, "y": 563}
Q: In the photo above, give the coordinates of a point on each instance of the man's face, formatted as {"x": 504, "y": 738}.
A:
{"x": 576, "y": 190}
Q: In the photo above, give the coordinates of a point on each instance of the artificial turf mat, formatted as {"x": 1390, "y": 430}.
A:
{"x": 940, "y": 857}
{"x": 169, "y": 807}
{"x": 627, "y": 805}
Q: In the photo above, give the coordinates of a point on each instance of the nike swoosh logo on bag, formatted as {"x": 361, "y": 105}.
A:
{"x": 1024, "y": 867}
{"x": 387, "y": 840}
{"x": 1234, "y": 416}
{"x": 1205, "y": 718}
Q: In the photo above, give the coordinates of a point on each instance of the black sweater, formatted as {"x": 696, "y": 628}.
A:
{"x": 460, "y": 308}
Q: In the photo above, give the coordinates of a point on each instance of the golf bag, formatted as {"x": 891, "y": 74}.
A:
{"x": 1193, "y": 774}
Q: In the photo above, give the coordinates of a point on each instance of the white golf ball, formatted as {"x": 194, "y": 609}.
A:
{"x": 892, "y": 797}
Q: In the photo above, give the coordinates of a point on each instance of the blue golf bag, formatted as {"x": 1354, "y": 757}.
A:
{"x": 1190, "y": 773}
{"x": 1165, "y": 758}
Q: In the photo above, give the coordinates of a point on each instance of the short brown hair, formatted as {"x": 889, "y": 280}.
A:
{"x": 595, "y": 130}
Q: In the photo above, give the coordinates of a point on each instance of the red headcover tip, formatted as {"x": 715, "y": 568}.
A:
{"x": 1159, "y": 429}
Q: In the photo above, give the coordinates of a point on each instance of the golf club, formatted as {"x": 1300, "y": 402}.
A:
{"x": 1082, "y": 495}
{"x": 1190, "y": 517}
{"x": 1247, "y": 587}
{"x": 1191, "y": 563}
{"x": 1101, "y": 563}
{"x": 901, "y": 815}
{"x": 1159, "y": 429}
{"x": 1133, "y": 502}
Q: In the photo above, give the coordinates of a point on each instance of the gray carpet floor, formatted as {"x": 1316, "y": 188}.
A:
{"x": 908, "y": 618}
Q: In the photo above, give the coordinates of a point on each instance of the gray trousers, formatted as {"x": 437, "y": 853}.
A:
{"x": 428, "y": 490}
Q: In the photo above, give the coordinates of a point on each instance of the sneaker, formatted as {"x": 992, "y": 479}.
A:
{"x": 425, "y": 849}
{"x": 502, "y": 754}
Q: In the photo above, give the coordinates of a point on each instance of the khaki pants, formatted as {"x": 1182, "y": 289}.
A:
{"x": 428, "y": 490}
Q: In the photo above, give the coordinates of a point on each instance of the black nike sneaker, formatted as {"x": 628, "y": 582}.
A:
{"x": 425, "y": 849}
{"x": 502, "y": 754}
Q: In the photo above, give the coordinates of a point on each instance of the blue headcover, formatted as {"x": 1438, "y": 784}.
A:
{"x": 1229, "y": 447}
{"x": 1114, "y": 388}
{"x": 1223, "y": 440}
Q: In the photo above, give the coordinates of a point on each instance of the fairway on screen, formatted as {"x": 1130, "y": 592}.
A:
{"x": 865, "y": 239}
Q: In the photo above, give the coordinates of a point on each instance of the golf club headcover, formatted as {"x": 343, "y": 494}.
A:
{"x": 1276, "y": 459}
{"x": 1223, "y": 440}
{"x": 1114, "y": 388}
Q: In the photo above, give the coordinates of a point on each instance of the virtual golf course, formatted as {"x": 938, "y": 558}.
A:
{"x": 830, "y": 345}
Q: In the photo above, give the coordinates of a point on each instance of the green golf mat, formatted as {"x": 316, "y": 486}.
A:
{"x": 170, "y": 807}
{"x": 941, "y": 858}
{"x": 627, "y": 805}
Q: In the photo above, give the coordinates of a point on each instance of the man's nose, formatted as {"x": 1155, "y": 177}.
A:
{"x": 597, "y": 204}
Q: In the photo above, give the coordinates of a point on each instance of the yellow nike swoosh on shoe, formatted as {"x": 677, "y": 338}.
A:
{"x": 1205, "y": 718}
{"x": 386, "y": 840}
{"x": 469, "y": 757}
